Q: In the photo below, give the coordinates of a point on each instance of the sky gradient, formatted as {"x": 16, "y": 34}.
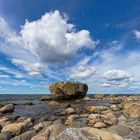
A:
{"x": 94, "y": 41}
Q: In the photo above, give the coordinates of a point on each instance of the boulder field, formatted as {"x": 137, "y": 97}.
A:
{"x": 70, "y": 114}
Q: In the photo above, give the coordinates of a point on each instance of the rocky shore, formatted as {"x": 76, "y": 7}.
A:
{"x": 99, "y": 117}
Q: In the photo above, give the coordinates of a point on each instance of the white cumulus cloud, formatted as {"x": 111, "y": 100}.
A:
{"x": 51, "y": 39}
{"x": 117, "y": 75}
{"x": 82, "y": 70}
{"x": 137, "y": 34}
{"x": 33, "y": 69}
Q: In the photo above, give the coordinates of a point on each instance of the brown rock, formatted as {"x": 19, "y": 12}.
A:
{"x": 70, "y": 110}
{"x": 109, "y": 118}
{"x": 132, "y": 110}
{"x": 7, "y": 108}
{"x": 87, "y": 133}
{"x": 25, "y": 136}
{"x": 100, "y": 125}
{"x": 39, "y": 126}
{"x": 90, "y": 108}
{"x": 68, "y": 90}
{"x": 50, "y": 133}
{"x": 16, "y": 128}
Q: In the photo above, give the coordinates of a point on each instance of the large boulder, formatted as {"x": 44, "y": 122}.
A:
{"x": 68, "y": 90}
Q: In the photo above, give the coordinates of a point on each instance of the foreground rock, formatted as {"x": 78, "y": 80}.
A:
{"x": 132, "y": 110}
{"x": 17, "y": 128}
{"x": 25, "y": 136}
{"x": 50, "y": 133}
{"x": 68, "y": 90}
{"x": 5, "y": 136}
{"x": 8, "y": 108}
{"x": 59, "y": 132}
{"x": 87, "y": 133}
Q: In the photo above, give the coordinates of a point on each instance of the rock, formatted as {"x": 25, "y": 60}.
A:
{"x": 0, "y": 127}
{"x": 4, "y": 121}
{"x": 59, "y": 121}
{"x": 12, "y": 117}
{"x": 25, "y": 136}
{"x": 91, "y": 122}
{"x": 69, "y": 120}
{"x": 5, "y": 136}
{"x": 87, "y": 133}
{"x": 132, "y": 110}
{"x": 68, "y": 90}
{"x": 133, "y": 135}
{"x": 70, "y": 110}
{"x": 120, "y": 130}
{"x": 7, "y": 109}
{"x": 102, "y": 108}
{"x": 16, "y": 128}
{"x": 39, "y": 126}
{"x": 99, "y": 96}
{"x": 93, "y": 116}
{"x": 87, "y": 98}
{"x": 54, "y": 103}
{"x": 84, "y": 115}
{"x": 100, "y": 125}
{"x": 50, "y": 133}
{"x": 46, "y": 98}
{"x": 90, "y": 108}
{"x": 134, "y": 124}
{"x": 109, "y": 118}
{"x": 60, "y": 112}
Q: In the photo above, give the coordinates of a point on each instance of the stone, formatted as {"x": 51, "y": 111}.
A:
{"x": 54, "y": 103}
{"x": 93, "y": 116}
{"x": 12, "y": 117}
{"x": 4, "y": 121}
{"x": 87, "y": 133}
{"x": 68, "y": 90}
{"x": 87, "y": 98}
{"x": 70, "y": 110}
{"x": 46, "y": 98}
{"x": 133, "y": 135}
{"x": 60, "y": 112}
{"x": 50, "y": 133}
{"x": 0, "y": 127}
{"x": 25, "y": 136}
{"x": 5, "y": 136}
{"x": 16, "y": 128}
{"x": 109, "y": 118}
{"x": 84, "y": 115}
{"x": 39, "y": 126}
{"x": 69, "y": 120}
{"x": 90, "y": 108}
{"x": 100, "y": 125}
{"x": 99, "y": 96}
{"x": 7, "y": 108}
{"x": 59, "y": 121}
{"x": 120, "y": 130}
{"x": 91, "y": 122}
{"x": 132, "y": 110}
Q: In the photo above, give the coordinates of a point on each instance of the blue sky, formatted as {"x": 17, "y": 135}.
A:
{"x": 94, "y": 41}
